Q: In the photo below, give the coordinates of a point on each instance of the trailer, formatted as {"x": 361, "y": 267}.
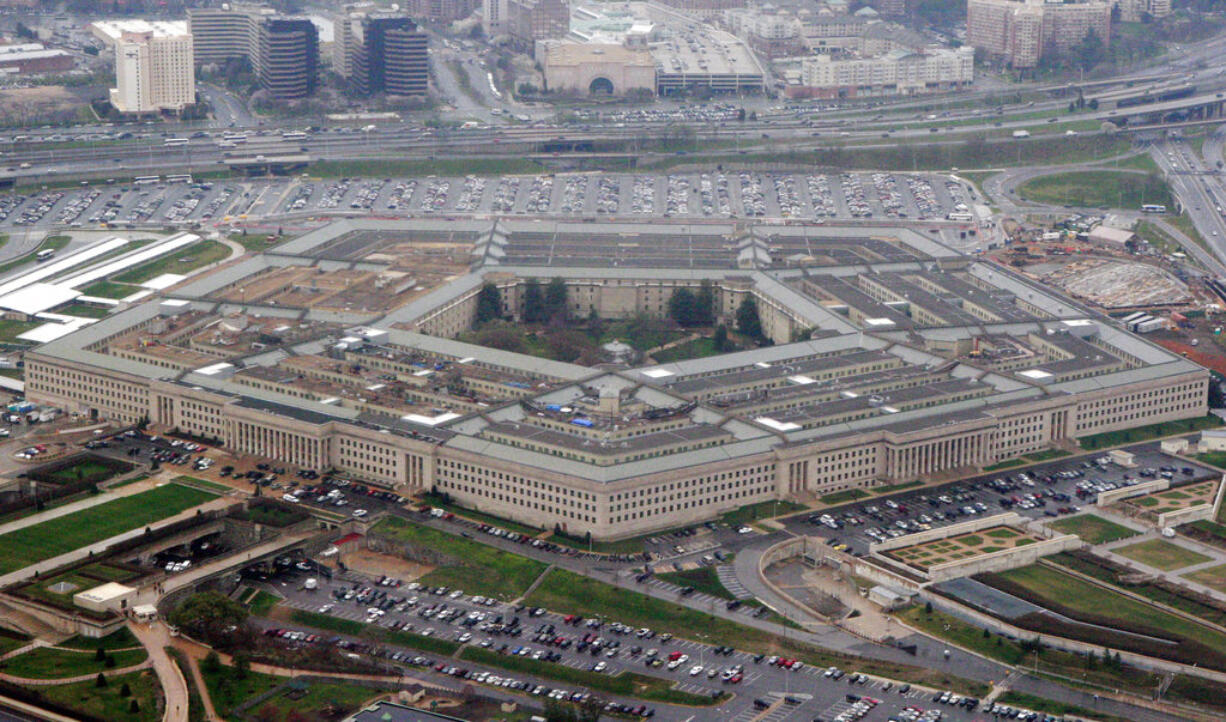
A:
{"x": 1153, "y": 324}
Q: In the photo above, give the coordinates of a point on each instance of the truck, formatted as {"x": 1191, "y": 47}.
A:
{"x": 1021, "y": 134}
{"x": 21, "y": 407}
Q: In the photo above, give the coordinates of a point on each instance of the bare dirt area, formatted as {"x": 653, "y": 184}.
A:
{"x": 23, "y": 106}
{"x": 1111, "y": 284}
{"x": 376, "y": 565}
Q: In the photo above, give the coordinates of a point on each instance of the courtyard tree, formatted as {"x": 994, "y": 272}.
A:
{"x": 534, "y": 302}
{"x": 555, "y": 299}
{"x": 704, "y": 304}
{"x": 209, "y": 616}
{"x": 748, "y": 322}
{"x": 489, "y": 304}
{"x": 682, "y": 307}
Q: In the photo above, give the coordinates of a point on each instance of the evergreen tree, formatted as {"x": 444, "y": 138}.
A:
{"x": 489, "y": 304}
{"x": 682, "y": 307}
{"x": 747, "y": 320}
{"x": 555, "y": 298}
{"x": 125, "y": 690}
{"x": 133, "y": 707}
{"x": 721, "y": 338}
{"x": 100, "y": 680}
{"x": 704, "y": 305}
{"x": 99, "y": 654}
{"x": 534, "y": 302}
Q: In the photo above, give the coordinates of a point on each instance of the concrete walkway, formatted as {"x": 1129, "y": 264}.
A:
{"x": 1174, "y": 576}
{"x": 155, "y": 638}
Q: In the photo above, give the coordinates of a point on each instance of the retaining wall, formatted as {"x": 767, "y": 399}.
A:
{"x": 1003, "y": 559}
{"x": 1127, "y": 492}
{"x": 1009, "y": 518}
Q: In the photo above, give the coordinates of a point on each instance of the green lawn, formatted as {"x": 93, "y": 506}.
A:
{"x": 321, "y": 701}
{"x": 262, "y": 603}
{"x": 106, "y": 703}
{"x": 52, "y": 663}
{"x": 84, "y": 310}
{"x": 1092, "y": 529}
{"x": 227, "y": 690}
{"x": 1161, "y": 554}
{"x": 840, "y": 497}
{"x": 474, "y": 567}
{"x": 1097, "y": 188}
{"x": 703, "y": 579}
{"x": 567, "y": 592}
{"x": 1088, "y": 598}
{"x": 51, "y": 538}
{"x": 756, "y": 512}
{"x": 110, "y": 289}
{"x": 697, "y": 348}
{"x": 1145, "y": 433}
{"x": 181, "y": 261}
{"x": 121, "y": 639}
{"x": 204, "y": 483}
{"x": 53, "y": 243}
{"x": 10, "y": 640}
{"x": 256, "y": 241}
{"x": 1212, "y": 577}
{"x": 1039, "y": 704}
{"x": 10, "y": 329}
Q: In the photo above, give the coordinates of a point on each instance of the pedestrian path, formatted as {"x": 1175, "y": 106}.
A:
{"x": 727, "y": 576}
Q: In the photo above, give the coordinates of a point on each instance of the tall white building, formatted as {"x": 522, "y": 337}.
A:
{"x": 153, "y": 72}
{"x": 898, "y": 72}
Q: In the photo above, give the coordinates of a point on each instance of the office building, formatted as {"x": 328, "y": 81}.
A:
{"x": 440, "y": 11}
{"x": 154, "y": 72}
{"x": 382, "y": 54}
{"x": 283, "y": 51}
{"x": 34, "y": 58}
{"x": 919, "y": 361}
{"x": 1022, "y": 32}
{"x": 528, "y": 21}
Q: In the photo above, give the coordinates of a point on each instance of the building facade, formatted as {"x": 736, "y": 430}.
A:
{"x": 938, "y": 364}
{"x": 894, "y": 73}
{"x": 153, "y": 73}
{"x": 598, "y": 69}
{"x": 1022, "y": 32}
{"x": 283, "y": 52}
{"x": 382, "y": 54}
{"x": 34, "y": 58}
{"x": 528, "y": 21}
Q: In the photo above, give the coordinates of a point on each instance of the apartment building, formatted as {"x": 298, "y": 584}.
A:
{"x": 443, "y": 11}
{"x": 1022, "y": 32}
{"x": 381, "y": 54}
{"x": 1134, "y": 11}
{"x": 897, "y": 72}
{"x": 283, "y": 51}
{"x": 154, "y": 72}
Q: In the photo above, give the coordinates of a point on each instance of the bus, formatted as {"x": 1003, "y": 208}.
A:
{"x": 1153, "y": 208}
{"x": 44, "y": 254}
{"x": 293, "y": 135}
{"x": 184, "y": 178}
{"x": 170, "y": 142}
{"x": 234, "y": 137}
{"x": 146, "y": 180}
{"x": 960, "y": 216}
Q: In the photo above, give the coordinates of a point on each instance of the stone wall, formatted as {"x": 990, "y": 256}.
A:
{"x": 1127, "y": 492}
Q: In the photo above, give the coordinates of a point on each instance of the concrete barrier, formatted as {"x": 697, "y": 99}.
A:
{"x": 1009, "y": 518}
{"x": 1128, "y": 492}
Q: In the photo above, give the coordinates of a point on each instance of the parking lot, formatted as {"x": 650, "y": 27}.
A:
{"x": 880, "y": 196}
{"x": 1048, "y": 490}
{"x": 765, "y": 687}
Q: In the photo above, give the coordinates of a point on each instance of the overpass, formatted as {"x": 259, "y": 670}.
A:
{"x": 256, "y": 165}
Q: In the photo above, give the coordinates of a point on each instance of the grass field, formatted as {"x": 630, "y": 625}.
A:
{"x": 1092, "y": 529}
{"x": 110, "y": 289}
{"x": 52, "y": 663}
{"x": 1212, "y": 577}
{"x": 1088, "y": 598}
{"x": 1161, "y": 554}
{"x": 11, "y": 328}
{"x": 83, "y": 310}
{"x": 106, "y": 703}
{"x": 262, "y": 603}
{"x": 227, "y": 690}
{"x": 10, "y": 640}
{"x": 840, "y": 497}
{"x": 1145, "y": 433}
{"x": 698, "y": 348}
{"x": 322, "y": 701}
{"x": 703, "y": 579}
{"x": 476, "y": 568}
{"x": 755, "y": 512}
{"x": 182, "y": 261}
{"x": 567, "y": 592}
{"x": 1097, "y": 188}
{"x": 121, "y": 639}
{"x": 51, "y": 538}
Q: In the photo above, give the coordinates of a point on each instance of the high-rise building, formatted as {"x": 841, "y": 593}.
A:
{"x": 494, "y": 17}
{"x": 1022, "y": 32}
{"x": 153, "y": 72}
{"x": 1132, "y": 11}
{"x": 528, "y": 21}
{"x": 444, "y": 11}
{"x": 381, "y": 54}
{"x": 283, "y": 51}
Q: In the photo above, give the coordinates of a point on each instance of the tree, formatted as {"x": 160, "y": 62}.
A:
{"x": 704, "y": 304}
{"x": 209, "y": 615}
{"x": 1090, "y": 51}
{"x": 682, "y": 307}
{"x": 211, "y": 662}
{"x": 109, "y": 662}
{"x": 489, "y": 304}
{"x": 720, "y": 339}
{"x": 99, "y": 654}
{"x": 133, "y": 707}
{"x": 748, "y": 322}
{"x": 555, "y": 299}
{"x": 100, "y": 680}
{"x": 242, "y": 666}
{"x": 927, "y": 607}
{"x": 125, "y": 690}
{"x": 534, "y": 302}
{"x": 1216, "y": 398}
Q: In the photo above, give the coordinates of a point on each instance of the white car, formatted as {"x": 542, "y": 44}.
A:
{"x": 600, "y": 667}
{"x": 744, "y": 530}
{"x": 696, "y": 670}
{"x": 359, "y": 513}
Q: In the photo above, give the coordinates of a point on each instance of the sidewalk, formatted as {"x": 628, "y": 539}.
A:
{"x": 174, "y": 687}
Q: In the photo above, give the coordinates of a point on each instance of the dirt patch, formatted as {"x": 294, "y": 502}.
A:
{"x": 376, "y": 564}
{"x": 42, "y": 104}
